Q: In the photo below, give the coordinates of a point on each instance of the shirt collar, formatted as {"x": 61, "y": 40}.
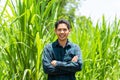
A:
{"x": 56, "y": 43}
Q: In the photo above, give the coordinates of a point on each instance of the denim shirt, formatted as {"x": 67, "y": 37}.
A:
{"x": 65, "y": 69}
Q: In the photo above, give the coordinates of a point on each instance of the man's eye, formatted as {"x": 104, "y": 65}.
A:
{"x": 59, "y": 29}
{"x": 64, "y": 29}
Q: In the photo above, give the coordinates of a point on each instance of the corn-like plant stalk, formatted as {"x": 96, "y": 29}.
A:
{"x": 25, "y": 31}
{"x": 27, "y": 26}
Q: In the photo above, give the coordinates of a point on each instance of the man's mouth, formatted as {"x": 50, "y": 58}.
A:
{"x": 62, "y": 36}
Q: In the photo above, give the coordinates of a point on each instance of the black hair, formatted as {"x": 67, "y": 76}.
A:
{"x": 62, "y": 21}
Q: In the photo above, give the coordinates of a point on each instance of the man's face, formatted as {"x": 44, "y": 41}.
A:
{"x": 62, "y": 32}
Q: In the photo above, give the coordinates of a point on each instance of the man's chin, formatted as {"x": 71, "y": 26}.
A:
{"x": 62, "y": 39}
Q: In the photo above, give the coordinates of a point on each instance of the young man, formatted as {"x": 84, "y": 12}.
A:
{"x": 62, "y": 58}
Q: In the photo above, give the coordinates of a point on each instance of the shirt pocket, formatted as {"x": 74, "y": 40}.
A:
{"x": 68, "y": 56}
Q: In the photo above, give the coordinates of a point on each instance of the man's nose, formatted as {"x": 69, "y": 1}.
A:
{"x": 62, "y": 31}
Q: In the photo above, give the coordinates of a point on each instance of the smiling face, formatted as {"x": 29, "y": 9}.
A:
{"x": 62, "y": 32}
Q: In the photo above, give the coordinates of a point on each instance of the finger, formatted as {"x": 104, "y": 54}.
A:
{"x": 75, "y": 58}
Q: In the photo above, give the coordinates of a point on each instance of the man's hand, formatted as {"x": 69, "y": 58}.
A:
{"x": 75, "y": 59}
{"x": 53, "y": 62}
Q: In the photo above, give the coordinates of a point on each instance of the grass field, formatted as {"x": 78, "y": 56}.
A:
{"x": 28, "y": 26}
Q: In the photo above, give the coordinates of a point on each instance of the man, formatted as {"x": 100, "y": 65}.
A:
{"x": 62, "y": 58}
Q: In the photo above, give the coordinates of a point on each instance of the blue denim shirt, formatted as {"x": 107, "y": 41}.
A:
{"x": 65, "y": 69}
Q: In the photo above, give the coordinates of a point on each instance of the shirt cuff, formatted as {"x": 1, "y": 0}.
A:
{"x": 59, "y": 63}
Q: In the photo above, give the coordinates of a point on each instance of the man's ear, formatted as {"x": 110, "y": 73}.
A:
{"x": 69, "y": 30}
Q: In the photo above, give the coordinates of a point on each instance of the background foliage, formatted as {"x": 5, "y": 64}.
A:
{"x": 26, "y": 26}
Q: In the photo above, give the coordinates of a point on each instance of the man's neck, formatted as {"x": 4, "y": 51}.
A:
{"x": 62, "y": 43}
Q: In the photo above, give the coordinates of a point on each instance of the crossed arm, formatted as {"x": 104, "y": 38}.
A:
{"x": 61, "y": 67}
{"x": 72, "y": 66}
{"x": 74, "y": 59}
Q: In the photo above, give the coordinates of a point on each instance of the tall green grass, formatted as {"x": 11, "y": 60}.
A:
{"x": 28, "y": 25}
{"x": 100, "y": 47}
{"x": 25, "y": 27}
